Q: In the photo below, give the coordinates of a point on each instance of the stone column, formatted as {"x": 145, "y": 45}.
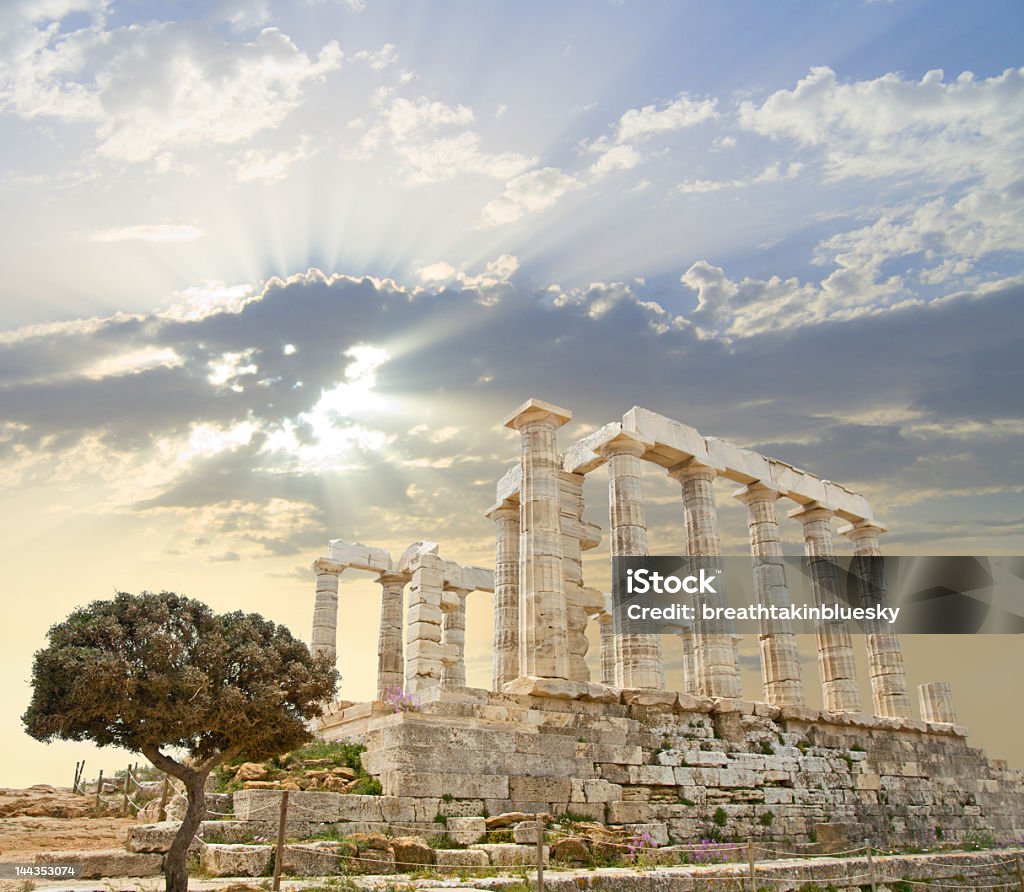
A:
{"x": 713, "y": 645}
{"x": 390, "y": 661}
{"x": 642, "y": 665}
{"x": 543, "y": 629}
{"x": 424, "y": 655}
{"x": 936, "y": 700}
{"x": 689, "y": 663}
{"x": 780, "y": 656}
{"x": 885, "y": 657}
{"x": 607, "y": 628}
{"x": 836, "y": 664}
{"x": 506, "y": 592}
{"x": 453, "y": 639}
{"x": 324, "y": 639}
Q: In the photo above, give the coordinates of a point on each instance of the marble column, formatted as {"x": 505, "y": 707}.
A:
{"x": 936, "y": 701}
{"x": 324, "y": 639}
{"x": 885, "y": 657}
{"x": 642, "y": 665}
{"x": 780, "y": 656}
{"x": 837, "y": 667}
{"x": 390, "y": 659}
{"x": 506, "y": 592}
{"x": 543, "y": 629}
{"x": 607, "y": 628}
{"x": 424, "y": 654}
{"x": 717, "y": 674}
{"x": 453, "y": 639}
{"x": 689, "y": 663}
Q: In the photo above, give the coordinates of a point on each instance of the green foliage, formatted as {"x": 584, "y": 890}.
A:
{"x": 721, "y": 817}
{"x": 900, "y": 886}
{"x": 857, "y": 748}
{"x": 766, "y": 819}
{"x": 498, "y": 836}
{"x": 367, "y": 786}
{"x": 571, "y": 817}
{"x": 161, "y": 670}
{"x": 441, "y": 819}
{"x": 684, "y": 801}
{"x": 766, "y": 748}
{"x": 812, "y": 835}
{"x": 848, "y": 759}
{"x": 443, "y": 841}
{"x": 447, "y": 797}
{"x": 979, "y": 839}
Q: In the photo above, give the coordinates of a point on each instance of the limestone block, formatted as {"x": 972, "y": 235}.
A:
{"x": 629, "y": 812}
{"x": 652, "y": 775}
{"x": 317, "y": 858}
{"x": 107, "y": 863}
{"x": 411, "y": 851}
{"x": 687, "y": 703}
{"x": 601, "y": 790}
{"x": 510, "y": 854}
{"x": 712, "y": 758}
{"x": 352, "y": 807}
{"x": 571, "y": 850}
{"x": 539, "y": 789}
{"x": 262, "y": 805}
{"x": 458, "y": 860}
{"x": 461, "y": 808}
{"x": 397, "y": 809}
{"x": 649, "y": 697}
{"x": 236, "y": 860}
{"x": 466, "y": 831}
{"x": 434, "y": 784}
{"x": 359, "y": 556}
{"x": 525, "y": 832}
{"x": 148, "y": 838}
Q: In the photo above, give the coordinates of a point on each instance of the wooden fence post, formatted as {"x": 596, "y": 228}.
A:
{"x": 540, "y": 854}
{"x": 279, "y": 852}
{"x": 99, "y": 789}
{"x": 162, "y": 816}
{"x": 1020, "y": 872}
{"x": 750, "y": 863}
{"x": 124, "y": 792}
{"x": 871, "y": 866}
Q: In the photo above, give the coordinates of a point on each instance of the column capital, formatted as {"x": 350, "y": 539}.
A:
{"x": 393, "y": 578}
{"x": 506, "y": 509}
{"x": 323, "y": 566}
{"x": 534, "y": 411}
{"x": 810, "y": 512}
{"x": 756, "y": 492}
{"x": 692, "y": 469}
{"x": 622, "y": 443}
{"x": 863, "y": 529}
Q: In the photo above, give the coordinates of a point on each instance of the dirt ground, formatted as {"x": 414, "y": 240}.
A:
{"x": 43, "y": 818}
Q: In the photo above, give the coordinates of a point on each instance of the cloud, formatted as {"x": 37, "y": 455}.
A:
{"x": 155, "y": 88}
{"x": 529, "y": 193}
{"x": 638, "y": 124}
{"x": 150, "y": 232}
{"x": 255, "y": 165}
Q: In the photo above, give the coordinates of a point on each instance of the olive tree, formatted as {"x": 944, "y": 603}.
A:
{"x": 163, "y": 675}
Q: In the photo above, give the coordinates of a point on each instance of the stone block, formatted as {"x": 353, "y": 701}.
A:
{"x": 458, "y": 860}
{"x": 107, "y": 863}
{"x": 539, "y": 789}
{"x": 149, "y": 838}
{"x": 466, "y": 830}
{"x": 352, "y": 807}
{"x": 656, "y": 831}
{"x": 510, "y": 854}
{"x": 236, "y": 860}
{"x": 652, "y": 775}
{"x": 411, "y": 852}
{"x": 600, "y": 790}
{"x": 317, "y": 858}
{"x": 525, "y": 833}
{"x": 629, "y": 812}
{"x": 571, "y": 850}
{"x": 397, "y": 809}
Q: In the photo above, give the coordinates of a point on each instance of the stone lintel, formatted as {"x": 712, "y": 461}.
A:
{"x": 581, "y": 457}
{"x": 810, "y": 511}
{"x": 536, "y": 410}
{"x": 359, "y": 556}
{"x": 621, "y": 442}
{"x": 326, "y": 565}
{"x": 509, "y": 483}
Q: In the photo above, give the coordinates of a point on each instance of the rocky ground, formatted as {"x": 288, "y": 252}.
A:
{"x": 44, "y": 818}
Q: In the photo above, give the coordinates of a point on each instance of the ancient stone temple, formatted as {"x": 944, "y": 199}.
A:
{"x": 621, "y": 748}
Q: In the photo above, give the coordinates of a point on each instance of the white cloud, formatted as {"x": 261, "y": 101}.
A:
{"x": 133, "y": 362}
{"x": 150, "y": 89}
{"x": 773, "y": 173}
{"x": 380, "y": 59}
{"x": 226, "y": 369}
{"x": 640, "y": 123}
{"x": 256, "y": 165}
{"x": 208, "y": 299}
{"x": 528, "y": 193}
{"x": 615, "y": 158}
{"x": 149, "y": 232}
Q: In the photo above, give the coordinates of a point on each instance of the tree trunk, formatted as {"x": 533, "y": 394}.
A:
{"x": 175, "y": 871}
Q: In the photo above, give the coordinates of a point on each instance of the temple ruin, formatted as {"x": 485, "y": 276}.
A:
{"x": 622, "y": 749}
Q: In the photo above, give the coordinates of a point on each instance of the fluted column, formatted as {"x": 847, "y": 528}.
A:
{"x": 837, "y": 667}
{"x": 642, "y": 665}
{"x": 936, "y": 701}
{"x": 780, "y": 656}
{"x": 689, "y": 662}
{"x": 607, "y": 628}
{"x": 543, "y": 629}
{"x": 506, "y": 592}
{"x": 324, "y": 639}
{"x": 885, "y": 656}
{"x": 453, "y": 639}
{"x": 713, "y": 644}
{"x": 390, "y": 660}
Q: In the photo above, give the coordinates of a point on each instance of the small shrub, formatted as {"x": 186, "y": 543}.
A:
{"x": 979, "y": 839}
{"x": 367, "y": 786}
{"x": 447, "y": 797}
{"x": 684, "y": 801}
{"x": 812, "y": 836}
{"x": 441, "y": 819}
{"x": 721, "y": 817}
{"x": 766, "y": 819}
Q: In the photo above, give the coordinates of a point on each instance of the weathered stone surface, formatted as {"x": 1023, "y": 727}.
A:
{"x": 466, "y": 830}
{"x": 411, "y": 850}
{"x": 250, "y": 771}
{"x": 236, "y": 860}
{"x": 317, "y": 859}
{"x": 571, "y": 850}
{"x": 510, "y": 854}
{"x": 107, "y": 863}
{"x": 457, "y": 860}
{"x": 148, "y": 838}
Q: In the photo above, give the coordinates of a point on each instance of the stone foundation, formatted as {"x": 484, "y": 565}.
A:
{"x": 698, "y": 766}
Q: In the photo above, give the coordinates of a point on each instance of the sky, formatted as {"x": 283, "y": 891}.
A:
{"x": 275, "y": 272}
